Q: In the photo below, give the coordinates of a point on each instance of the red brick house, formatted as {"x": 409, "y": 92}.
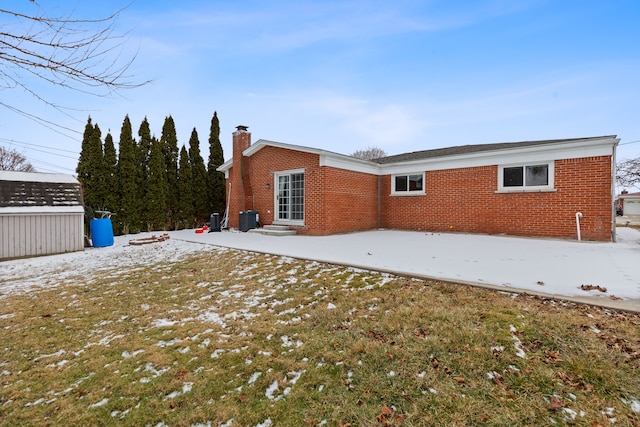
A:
{"x": 532, "y": 188}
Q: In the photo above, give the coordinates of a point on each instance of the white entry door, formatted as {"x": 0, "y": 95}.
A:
{"x": 289, "y": 197}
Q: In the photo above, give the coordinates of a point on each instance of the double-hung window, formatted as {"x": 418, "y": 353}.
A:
{"x": 407, "y": 184}
{"x": 527, "y": 177}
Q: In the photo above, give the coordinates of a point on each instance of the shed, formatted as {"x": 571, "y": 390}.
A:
{"x": 40, "y": 214}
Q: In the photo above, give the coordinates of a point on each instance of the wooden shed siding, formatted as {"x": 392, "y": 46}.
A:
{"x": 40, "y": 234}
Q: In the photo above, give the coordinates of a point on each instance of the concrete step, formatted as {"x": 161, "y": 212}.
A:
{"x": 274, "y": 230}
{"x": 276, "y": 227}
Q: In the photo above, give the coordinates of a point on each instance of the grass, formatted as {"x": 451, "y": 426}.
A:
{"x": 236, "y": 338}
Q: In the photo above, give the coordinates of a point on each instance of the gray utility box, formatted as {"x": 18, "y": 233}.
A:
{"x": 248, "y": 220}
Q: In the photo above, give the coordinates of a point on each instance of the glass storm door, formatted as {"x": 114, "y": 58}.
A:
{"x": 290, "y": 197}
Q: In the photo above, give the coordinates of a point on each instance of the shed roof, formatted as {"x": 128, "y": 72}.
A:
{"x": 38, "y": 191}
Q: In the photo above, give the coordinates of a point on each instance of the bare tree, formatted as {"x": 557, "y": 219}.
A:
{"x": 370, "y": 153}
{"x": 628, "y": 172}
{"x": 79, "y": 54}
{"x": 12, "y": 160}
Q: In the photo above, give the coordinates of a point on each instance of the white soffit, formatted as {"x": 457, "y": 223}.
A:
{"x": 534, "y": 153}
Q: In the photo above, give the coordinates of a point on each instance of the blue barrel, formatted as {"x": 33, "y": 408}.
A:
{"x": 101, "y": 232}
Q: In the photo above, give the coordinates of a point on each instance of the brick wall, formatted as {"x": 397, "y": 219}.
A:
{"x": 336, "y": 200}
{"x": 465, "y": 200}
{"x": 237, "y": 197}
{"x": 351, "y": 201}
{"x": 458, "y": 200}
{"x": 270, "y": 159}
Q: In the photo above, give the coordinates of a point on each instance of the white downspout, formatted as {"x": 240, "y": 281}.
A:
{"x": 578, "y": 216}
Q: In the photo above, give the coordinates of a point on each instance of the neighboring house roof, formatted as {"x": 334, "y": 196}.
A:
{"x": 28, "y": 192}
{"x": 629, "y": 195}
{"x": 455, "y": 157}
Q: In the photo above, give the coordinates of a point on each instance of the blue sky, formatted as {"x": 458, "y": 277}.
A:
{"x": 345, "y": 75}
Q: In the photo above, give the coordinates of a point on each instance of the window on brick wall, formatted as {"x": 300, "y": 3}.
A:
{"x": 527, "y": 177}
{"x": 407, "y": 184}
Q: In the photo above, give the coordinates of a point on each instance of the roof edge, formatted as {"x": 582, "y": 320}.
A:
{"x": 37, "y": 177}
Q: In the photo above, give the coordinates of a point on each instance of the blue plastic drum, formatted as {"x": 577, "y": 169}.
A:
{"x": 101, "y": 232}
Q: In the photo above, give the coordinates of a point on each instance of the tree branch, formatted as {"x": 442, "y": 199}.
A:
{"x": 79, "y": 54}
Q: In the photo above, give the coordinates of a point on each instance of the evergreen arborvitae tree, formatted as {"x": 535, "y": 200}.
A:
{"x": 169, "y": 142}
{"x": 91, "y": 170}
{"x": 99, "y": 179}
{"x": 199, "y": 187}
{"x": 216, "y": 184}
{"x": 155, "y": 203}
{"x": 84, "y": 161}
{"x": 144, "y": 154}
{"x": 128, "y": 216}
{"x": 185, "y": 214}
{"x": 111, "y": 177}
{"x": 144, "y": 144}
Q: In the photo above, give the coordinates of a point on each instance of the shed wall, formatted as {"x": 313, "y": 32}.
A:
{"x": 40, "y": 234}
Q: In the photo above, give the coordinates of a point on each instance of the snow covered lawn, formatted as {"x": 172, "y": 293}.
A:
{"x": 178, "y": 333}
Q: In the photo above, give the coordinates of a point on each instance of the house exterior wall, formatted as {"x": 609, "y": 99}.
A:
{"x": 33, "y": 234}
{"x": 465, "y": 200}
{"x": 265, "y": 163}
{"x": 463, "y": 189}
{"x": 351, "y": 201}
{"x": 336, "y": 200}
{"x": 238, "y": 198}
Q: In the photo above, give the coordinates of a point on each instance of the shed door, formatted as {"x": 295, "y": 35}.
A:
{"x": 289, "y": 198}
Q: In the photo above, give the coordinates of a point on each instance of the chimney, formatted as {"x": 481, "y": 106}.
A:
{"x": 239, "y": 176}
{"x": 241, "y": 140}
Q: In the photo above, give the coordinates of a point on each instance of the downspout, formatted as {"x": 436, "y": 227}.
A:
{"x": 614, "y": 237}
{"x": 379, "y": 203}
{"x": 578, "y": 216}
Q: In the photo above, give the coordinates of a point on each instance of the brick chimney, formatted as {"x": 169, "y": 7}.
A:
{"x": 239, "y": 176}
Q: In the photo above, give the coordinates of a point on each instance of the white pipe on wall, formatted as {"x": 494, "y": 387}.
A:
{"x": 578, "y": 216}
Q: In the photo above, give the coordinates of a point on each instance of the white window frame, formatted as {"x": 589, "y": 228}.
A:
{"x": 408, "y": 192}
{"x": 276, "y": 190}
{"x": 527, "y": 188}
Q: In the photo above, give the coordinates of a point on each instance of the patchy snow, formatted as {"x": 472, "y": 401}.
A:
{"x": 272, "y": 390}
{"x": 254, "y": 377}
{"x": 100, "y": 403}
{"x": 517, "y": 344}
{"x": 552, "y": 267}
{"x": 549, "y": 266}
